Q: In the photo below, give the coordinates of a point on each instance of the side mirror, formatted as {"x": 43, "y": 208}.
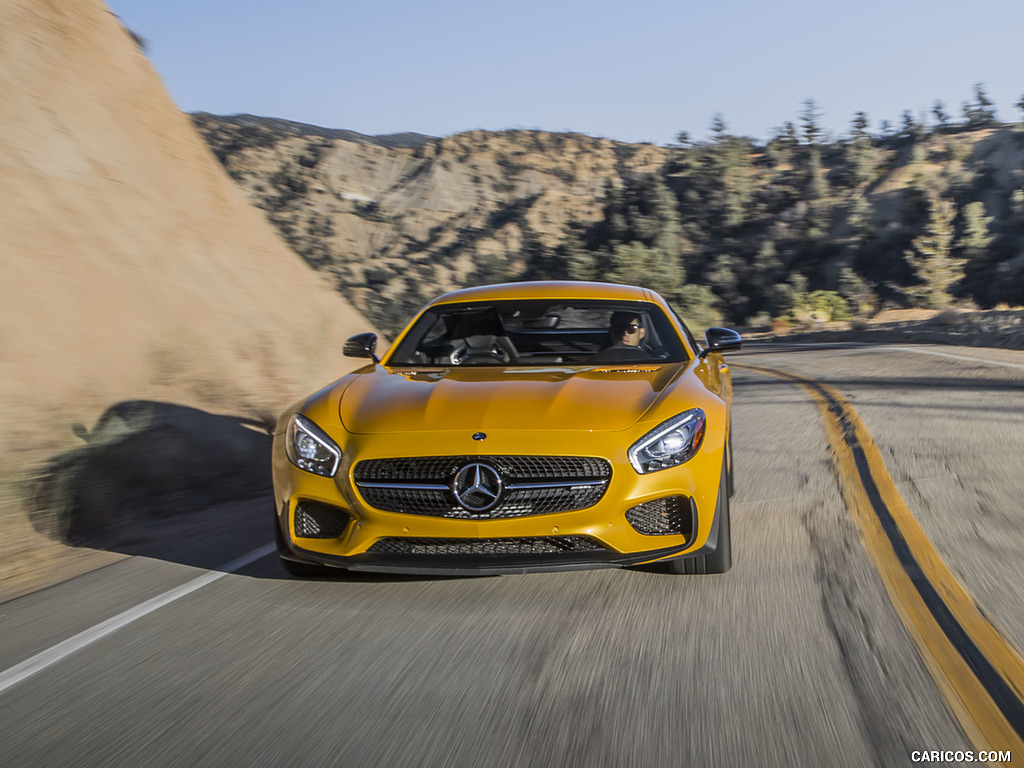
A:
{"x": 361, "y": 345}
{"x": 721, "y": 340}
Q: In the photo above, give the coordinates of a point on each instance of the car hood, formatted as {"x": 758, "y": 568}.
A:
{"x": 380, "y": 401}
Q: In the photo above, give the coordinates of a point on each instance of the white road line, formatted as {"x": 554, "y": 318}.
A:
{"x": 51, "y": 656}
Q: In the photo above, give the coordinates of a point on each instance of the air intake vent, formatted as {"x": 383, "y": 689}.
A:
{"x": 315, "y": 520}
{"x": 539, "y": 545}
{"x": 671, "y": 516}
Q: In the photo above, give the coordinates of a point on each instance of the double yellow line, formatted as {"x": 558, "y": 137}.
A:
{"x": 977, "y": 670}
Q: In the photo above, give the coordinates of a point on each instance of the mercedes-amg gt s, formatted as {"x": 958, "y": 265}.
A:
{"x": 515, "y": 427}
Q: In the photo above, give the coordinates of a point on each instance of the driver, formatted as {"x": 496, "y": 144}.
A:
{"x": 626, "y": 329}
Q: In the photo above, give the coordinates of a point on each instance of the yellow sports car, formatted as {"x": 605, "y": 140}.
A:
{"x": 515, "y": 427}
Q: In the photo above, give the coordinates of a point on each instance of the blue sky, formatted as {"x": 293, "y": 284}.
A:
{"x": 639, "y": 71}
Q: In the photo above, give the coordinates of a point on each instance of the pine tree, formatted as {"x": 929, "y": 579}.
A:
{"x": 582, "y": 264}
{"x": 859, "y": 127}
{"x": 637, "y": 264}
{"x": 730, "y": 161}
{"x": 974, "y": 245}
{"x": 911, "y": 128}
{"x": 786, "y": 297}
{"x": 736, "y": 185}
{"x": 725, "y": 283}
{"x": 816, "y": 194}
{"x": 779, "y": 149}
{"x": 789, "y": 134}
{"x": 718, "y": 128}
{"x": 761, "y": 275}
{"x": 718, "y": 185}
{"x": 859, "y": 218}
{"x": 643, "y": 210}
{"x": 984, "y": 104}
{"x": 981, "y": 112}
{"x": 859, "y": 152}
{"x": 639, "y": 242}
{"x": 697, "y": 305}
{"x": 975, "y": 240}
{"x": 932, "y": 259}
{"x": 811, "y": 120}
{"x": 919, "y": 191}
{"x": 941, "y": 116}
{"x": 766, "y": 267}
{"x": 856, "y": 291}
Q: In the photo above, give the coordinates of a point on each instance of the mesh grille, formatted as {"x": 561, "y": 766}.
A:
{"x": 314, "y": 520}
{"x": 544, "y": 545}
{"x": 662, "y": 517}
{"x": 515, "y": 502}
{"x": 443, "y": 468}
{"x": 544, "y": 501}
{"x": 414, "y": 502}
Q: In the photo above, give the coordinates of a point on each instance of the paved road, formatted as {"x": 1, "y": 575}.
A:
{"x": 796, "y": 657}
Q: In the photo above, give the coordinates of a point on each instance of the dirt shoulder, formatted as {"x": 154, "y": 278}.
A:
{"x": 30, "y": 561}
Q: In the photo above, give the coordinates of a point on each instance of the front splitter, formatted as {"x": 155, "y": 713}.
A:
{"x": 480, "y": 565}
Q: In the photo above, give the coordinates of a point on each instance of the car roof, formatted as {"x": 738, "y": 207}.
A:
{"x": 549, "y": 289}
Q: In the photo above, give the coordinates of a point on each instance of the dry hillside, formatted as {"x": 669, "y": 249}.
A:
{"x": 397, "y": 225}
{"x": 133, "y": 267}
{"x": 751, "y": 228}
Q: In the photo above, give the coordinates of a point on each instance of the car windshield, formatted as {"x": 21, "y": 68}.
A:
{"x": 540, "y": 332}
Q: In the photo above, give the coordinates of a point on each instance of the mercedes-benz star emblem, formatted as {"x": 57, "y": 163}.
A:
{"x": 477, "y": 487}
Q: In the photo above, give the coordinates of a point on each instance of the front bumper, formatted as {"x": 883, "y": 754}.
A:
{"x": 482, "y": 563}
{"x": 615, "y": 543}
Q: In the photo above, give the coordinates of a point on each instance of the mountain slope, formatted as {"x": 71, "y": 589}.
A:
{"x": 133, "y": 267}
{"x": 395, "y": 226}
{"x": 762, "y": 226}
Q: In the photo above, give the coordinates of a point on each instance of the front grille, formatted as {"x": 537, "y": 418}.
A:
{"x": 423, "y": 485}
{"x": 437, "y": 503}
{"x": 538, "y": 545}
{"x": 315, "y": 520}
{"x": 443, "y": 468}
{"x": 672, "y": 515}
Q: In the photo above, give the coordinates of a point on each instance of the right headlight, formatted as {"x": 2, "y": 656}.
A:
{"x": 669, "y": 444}
{"x": 310, "y": 448}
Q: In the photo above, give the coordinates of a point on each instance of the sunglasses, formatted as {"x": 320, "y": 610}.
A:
{"x": 631, "y": 328}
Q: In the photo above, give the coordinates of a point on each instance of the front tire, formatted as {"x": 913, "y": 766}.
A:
{"x": 719, "y": 561}
{"x": 729, "y": 475}
{"x": 293, "y": 567}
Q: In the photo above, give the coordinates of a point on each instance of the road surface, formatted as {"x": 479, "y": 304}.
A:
{"x": 797, "y": 656}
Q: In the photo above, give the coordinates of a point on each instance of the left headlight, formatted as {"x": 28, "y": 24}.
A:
{"x": 310, "y": 448}
{"x": 669, "y": 444}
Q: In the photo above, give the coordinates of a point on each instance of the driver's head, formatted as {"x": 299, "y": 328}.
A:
{"x": 627, "y": 328}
